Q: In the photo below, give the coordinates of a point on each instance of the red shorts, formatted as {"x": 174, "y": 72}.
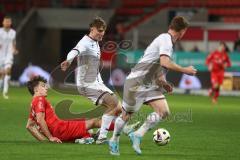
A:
{"x": 217, "y": 77}
{"x": 70, "y": 130}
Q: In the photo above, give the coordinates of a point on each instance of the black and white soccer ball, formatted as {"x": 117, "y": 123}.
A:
{"x": 161, "y": 137}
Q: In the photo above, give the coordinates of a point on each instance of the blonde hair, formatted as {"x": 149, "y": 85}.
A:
{"x": 98, "y": 22}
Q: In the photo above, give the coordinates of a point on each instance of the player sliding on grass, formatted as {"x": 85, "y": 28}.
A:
{"x": 88, "y": 78}
{"x": 43, "y": 122}
{"x": 145, "y": 84}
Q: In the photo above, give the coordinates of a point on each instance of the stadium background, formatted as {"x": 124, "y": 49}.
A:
{"x": 48, "y": 29}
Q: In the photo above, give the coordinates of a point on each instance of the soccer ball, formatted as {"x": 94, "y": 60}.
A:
{"x": 161, "y": 137}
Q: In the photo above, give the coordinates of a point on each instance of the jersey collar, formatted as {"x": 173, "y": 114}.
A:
{"x": 91, "y": 38}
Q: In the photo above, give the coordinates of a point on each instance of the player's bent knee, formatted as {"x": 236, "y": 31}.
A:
{"x": 164, "y": 114}
{"x": 110, "y": 101}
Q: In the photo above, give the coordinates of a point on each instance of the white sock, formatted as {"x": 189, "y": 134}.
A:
{"x": 119, "y": 125}
{"x": 6, "y": 84}
{"x": 106, "y": 122}
{"x": 150, "y": 122}
{"x": 1, "y": 83}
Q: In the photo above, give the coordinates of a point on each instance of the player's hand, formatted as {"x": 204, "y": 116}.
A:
{"x": 15, "y": 52}
{"x": 65, "y": 65}
{"x": 225, "y": 65}
{"x": 55, "y": 140}
{"x": 190, "y": 70}
{"x": 164, "y": 84}
{"x": 210, "y": 66}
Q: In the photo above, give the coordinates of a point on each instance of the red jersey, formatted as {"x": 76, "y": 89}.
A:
{"x": 64, "y": 130}
{"x": 218, "y": 59}
{"x": 40, "y": 104}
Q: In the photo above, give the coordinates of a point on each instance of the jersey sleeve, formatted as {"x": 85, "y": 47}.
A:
{"x": 75, "y": 52}
{"x": 80, "y": 48}
{"x": 209, "y": 58}
{"x": 40, "y": 105}
{"x": 166, "y": 46}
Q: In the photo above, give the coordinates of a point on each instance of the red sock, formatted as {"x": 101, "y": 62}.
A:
{"x": 111, "y": 127}
{"x": 216, "y": 93}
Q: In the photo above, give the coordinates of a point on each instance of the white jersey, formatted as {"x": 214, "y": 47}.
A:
{"x": 88, "y": 61}
{"x": 149, "y": 64}
{"x": 7, "y": 39}
{"x": 88, "y": 78}
{"x": 140, "y": 86}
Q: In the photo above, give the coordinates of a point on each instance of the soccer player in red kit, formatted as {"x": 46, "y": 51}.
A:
{"x": 217, "y": 62}
{"x": 43, "y": 122}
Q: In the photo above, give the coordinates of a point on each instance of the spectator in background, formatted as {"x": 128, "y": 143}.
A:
{"x": 117, "y": 78}
{"x": 33, "y": 71}
{"x": 217, "y": 62}
{"x": 120, "y": 32}
{"x": 188, "y": 83}
{"x": 195, "y": 49}
{"x": 178, "y": 47}
{"x": 236, "y": 47}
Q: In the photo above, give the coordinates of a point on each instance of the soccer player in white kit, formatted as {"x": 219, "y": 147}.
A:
{"x": 7, "y": 50}
{"x": 146, "y": 82}
{"x": 88, "y": 78}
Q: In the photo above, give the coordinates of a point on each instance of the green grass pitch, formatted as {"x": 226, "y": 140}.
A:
{"x": 198, "y": 130}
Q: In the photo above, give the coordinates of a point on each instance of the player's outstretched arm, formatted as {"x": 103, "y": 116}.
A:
{"x": 64, "y": 65}
{"x": 165, "y": 61}
{"x": 70, "y": 57}
{"x": 15, "y": 50}
{"x": 43, "y": 125}
{"x": 31, "y": 127}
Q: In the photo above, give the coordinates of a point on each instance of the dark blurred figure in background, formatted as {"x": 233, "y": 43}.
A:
{"x": 217, "y": 62}
{"x": 236, "y": 47}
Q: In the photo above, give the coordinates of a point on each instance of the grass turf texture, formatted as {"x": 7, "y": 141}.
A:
{"x": 198, "y": 131}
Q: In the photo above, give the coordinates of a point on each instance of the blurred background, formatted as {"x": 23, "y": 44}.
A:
{"x": 48, "y": 29}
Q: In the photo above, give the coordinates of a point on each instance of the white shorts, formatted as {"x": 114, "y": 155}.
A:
{"x": 7, "y": 62}
{"x": 135, "y": 96}
{"x": 94, "y": 91}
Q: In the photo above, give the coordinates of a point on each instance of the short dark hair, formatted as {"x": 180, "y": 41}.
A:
{"x": 178, "y": 23}
{"x": 34, "y": 82}
{"x": 98, "y": 22}
{"x": 7, "y": 17}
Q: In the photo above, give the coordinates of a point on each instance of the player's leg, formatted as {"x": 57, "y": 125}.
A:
{"x": 120, "y": 123}
{"x": 7, "y": 76}
{"x": 129, "y": 106}
{"x": 93, "y": 123}
{"x": 101, "y": 95}
{"x": 1, "y": 77}
{"x": 219, "y": 81}
{"x": 215, "y": 86}
{"x": 113, "y": 110}
{"x": 71, "y": 130}
{"x": 215, "y": 93}
{"x": 161, "y": 111}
